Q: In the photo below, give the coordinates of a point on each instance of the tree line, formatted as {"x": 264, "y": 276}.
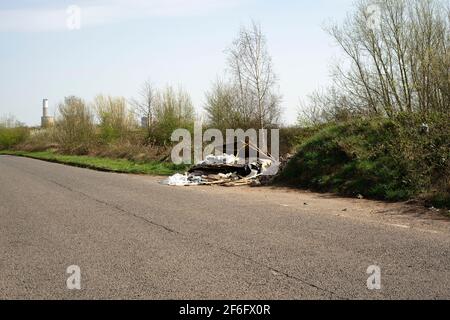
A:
{"x": 246, "y": 96}
{"x": 397, "y": 60}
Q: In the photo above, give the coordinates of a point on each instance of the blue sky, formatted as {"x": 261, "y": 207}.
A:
{"x": 180, "y": 42}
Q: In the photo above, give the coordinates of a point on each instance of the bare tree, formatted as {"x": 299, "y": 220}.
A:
{"x": 222, "y": 107}
{"x": 144, "y": 105}
{"x": 399, "y": 65}
{"x": 324, "y": 106}
{"x": 114, "y": 117}
{"x": 173, "y": 110}
{"x": 254, "y": 78}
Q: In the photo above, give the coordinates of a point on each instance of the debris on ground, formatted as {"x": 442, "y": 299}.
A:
{"x": 181, "y": 180}
{"x": 226, "y": 170}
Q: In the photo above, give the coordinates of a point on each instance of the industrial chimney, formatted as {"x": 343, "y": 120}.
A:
{"x": 46, "y": 120}
{"x": 45, "y": 108}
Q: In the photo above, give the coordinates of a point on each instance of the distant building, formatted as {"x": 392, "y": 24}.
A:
{"x": 145, "y": 122}
{"x": 46, "y": 120}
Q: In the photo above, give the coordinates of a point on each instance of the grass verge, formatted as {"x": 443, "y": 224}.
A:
{"x": 103, "y": 164}
{"x": 384, "y": 159}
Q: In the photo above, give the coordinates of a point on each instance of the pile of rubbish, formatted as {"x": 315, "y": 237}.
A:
{"x": 225, "y": 170}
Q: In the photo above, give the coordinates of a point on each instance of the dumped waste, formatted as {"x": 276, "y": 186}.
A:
{"x": 225, "y": 170}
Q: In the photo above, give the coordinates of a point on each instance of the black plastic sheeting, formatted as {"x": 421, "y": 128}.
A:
{"x": 242, "y": 170}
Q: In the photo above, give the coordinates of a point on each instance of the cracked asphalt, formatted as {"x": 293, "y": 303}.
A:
{"x": 134, "y": 238}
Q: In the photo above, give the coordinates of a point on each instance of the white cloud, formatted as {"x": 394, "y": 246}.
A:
{"x": 103, "y": 12}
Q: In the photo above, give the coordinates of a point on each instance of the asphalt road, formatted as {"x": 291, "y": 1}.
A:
{"x": 136, "y": 239}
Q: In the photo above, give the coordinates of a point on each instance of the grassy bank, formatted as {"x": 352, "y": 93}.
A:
{"x": 395, "y": 160}
{"x": 10, "y": 137}
{"x": 103, "y": 164}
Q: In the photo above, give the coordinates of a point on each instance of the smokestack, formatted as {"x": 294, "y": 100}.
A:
{"x": 46, "y": 120}
{"x": 45, "y": 108}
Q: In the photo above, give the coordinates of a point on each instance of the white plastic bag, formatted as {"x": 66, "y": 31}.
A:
{"x": 223, "y": 159}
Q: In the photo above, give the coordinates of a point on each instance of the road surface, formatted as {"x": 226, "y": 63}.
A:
{"x": 133, "y": 238}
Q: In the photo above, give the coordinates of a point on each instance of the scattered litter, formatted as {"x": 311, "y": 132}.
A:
{"x": 227, "y": 170}
{"x": 182, "y": 180}
{"x": 425, "y": 128}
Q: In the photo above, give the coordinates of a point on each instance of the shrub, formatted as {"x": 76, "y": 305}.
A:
{"x": 173, "y": 110}
{"x": 10, "y": 137}
{"x": 130, "y": 150}
{"x": 75, "y": 126}
{"x": 39, "y": 140}
{"x": 115, "y": 120}
{"x": 396, "y": 159}
{"x": 292, "y": 137}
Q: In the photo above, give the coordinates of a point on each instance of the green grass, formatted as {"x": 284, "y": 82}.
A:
{"x": 378, "y": 158}
{"x": 103, "y": 164}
